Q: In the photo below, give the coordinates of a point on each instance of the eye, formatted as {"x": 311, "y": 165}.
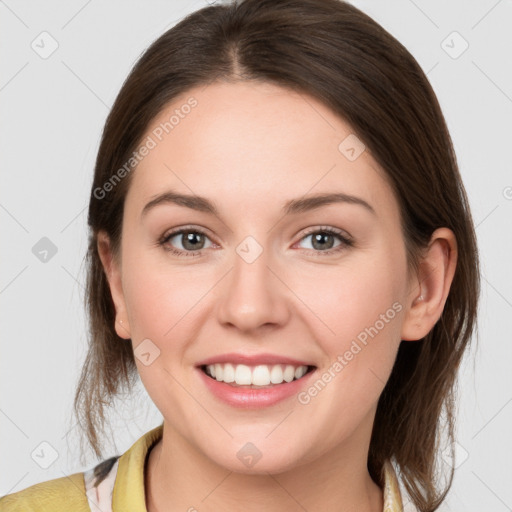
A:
{"x": 323, "y": 240}
{"x": 192, "y": 241}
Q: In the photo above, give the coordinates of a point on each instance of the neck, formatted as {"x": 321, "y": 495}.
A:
{"x": 178, "y": 477}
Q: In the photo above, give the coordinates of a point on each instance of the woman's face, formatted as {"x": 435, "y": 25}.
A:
{"x": 259, "y": 276}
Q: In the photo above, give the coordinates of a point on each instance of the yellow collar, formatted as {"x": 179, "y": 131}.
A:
{"x": 129, "y": 493}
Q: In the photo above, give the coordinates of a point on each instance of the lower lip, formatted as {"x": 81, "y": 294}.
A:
{"x": 254, "y": 398}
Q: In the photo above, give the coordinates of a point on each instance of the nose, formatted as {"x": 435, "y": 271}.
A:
{"x": 255, "y": 296}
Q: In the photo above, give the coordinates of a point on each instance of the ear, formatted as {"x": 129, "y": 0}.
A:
{"x": 429, "y": 290}
{"x": 112, "y": 269}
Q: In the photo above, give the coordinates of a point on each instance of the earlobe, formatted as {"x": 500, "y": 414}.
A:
{"x": 112, "y": 271}
{"x": 432, "y": 286}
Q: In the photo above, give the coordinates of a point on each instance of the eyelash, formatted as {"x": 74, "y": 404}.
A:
{"x": 345, "y": 241}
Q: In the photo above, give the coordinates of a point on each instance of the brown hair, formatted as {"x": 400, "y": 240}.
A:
{"x": 337, "y": 54}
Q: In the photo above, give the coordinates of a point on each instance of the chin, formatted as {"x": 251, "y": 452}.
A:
{"x": 257, "y": 458}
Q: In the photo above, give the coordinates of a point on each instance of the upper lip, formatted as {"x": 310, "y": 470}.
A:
{"x": 252, "y": 360}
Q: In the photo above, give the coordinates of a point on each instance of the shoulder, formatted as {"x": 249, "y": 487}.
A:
{"x": 115, "y": 483}
{"x": 61, "y": 494}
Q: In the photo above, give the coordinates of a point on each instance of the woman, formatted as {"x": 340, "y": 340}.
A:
{"x": 281, "y": 248}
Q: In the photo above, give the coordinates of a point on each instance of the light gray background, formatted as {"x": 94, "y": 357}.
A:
{"x": 52, "y": 114}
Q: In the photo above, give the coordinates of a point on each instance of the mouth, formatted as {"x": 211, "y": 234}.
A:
{"x": 256, "y": 377}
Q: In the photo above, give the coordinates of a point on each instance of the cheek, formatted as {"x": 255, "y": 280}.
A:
{"x": 159, "y": 296}
{"x": 344, "y": 301}
{"x": 161, "y": 303}
{"x": 357, "y": 321}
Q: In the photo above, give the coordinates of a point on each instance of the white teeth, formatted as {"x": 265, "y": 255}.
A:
{"x": 276, "y": 374}
{"x": 260, "y": 375}
{"x": 219, "y": 371}
{"x": 289, "y": 373}
{"x": 229, "y": 373}
{"x": 242, "y": 374}
{"x": 300, "y": 371}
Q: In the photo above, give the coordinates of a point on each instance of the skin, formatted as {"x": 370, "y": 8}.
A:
{"x": 249, "y": 148}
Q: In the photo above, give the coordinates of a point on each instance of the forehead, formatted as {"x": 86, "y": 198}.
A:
{"x": 254, "y": 143}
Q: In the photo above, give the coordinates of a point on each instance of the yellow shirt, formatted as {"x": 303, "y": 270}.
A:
{"x": 123, "y": 488}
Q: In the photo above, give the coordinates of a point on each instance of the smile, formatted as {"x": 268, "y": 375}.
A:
{"x": 273, "y": 385}
{"x": 257, "y": 376}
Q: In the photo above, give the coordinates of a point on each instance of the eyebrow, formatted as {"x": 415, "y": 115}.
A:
{"x": 292, "y": 207}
